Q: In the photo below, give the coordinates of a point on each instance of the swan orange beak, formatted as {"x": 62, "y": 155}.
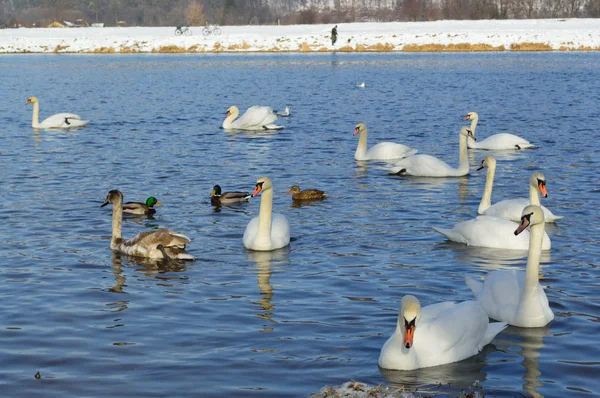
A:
{"x": 28, "y": 102}
{"x": 227, "y": 114}
{"x": 408, "y": 336}
{"x": 257, "y": 190}
{"x": 524, "y": 224}
{"x": 356, "y": 130}
{"x": 467, "y": 117}
{"x": 543, "y": 189}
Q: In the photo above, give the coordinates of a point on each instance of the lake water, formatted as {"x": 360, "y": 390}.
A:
{"x": 284, "y": 323}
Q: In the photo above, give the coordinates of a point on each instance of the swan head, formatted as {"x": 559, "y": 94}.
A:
{"x": 360, "y": 128}
{"x": 114, "y": 196}
{"x": 216, "y": 191}
{"x": 152, "y": 201}
{"x": 538, "y": 181}
{"x": 31, "y": 100}
{"x": 410, "y": 313}
{"x": 294, "y": 189}
{"x": 471, "y": 116}
{"x": 531, "y": 215}
{"x": 232, "y": 110}
{"x": 489, "y": 162}
{"x": 467, "y": 132}
{"x": 262, "y": 184}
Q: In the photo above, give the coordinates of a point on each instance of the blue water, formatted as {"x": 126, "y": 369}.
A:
{"x": 285, "y": 323}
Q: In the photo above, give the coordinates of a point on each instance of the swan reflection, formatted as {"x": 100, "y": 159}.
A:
{"x": 264, "y": 261}
{"x": 147, "y": 266}
{"x": 526, "y": 342}
{"x": 444, "y": 379}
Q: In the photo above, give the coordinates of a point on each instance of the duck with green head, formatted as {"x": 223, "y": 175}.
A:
{"x": 218, "y": 198}
{"x": 142, "y": 208}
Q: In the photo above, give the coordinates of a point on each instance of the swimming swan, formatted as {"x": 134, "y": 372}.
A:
{"x": 58, "y": 121}
{"x": 267, "y": 231}
{"x": 284, "y": 113}
{"x": 511, "y": 208}
{"x": 381, "y": 151}
{"x": 145, "y": 244}
{"x": 437, "y": 334}
{"x": 255, "y": 118}
{"x": 429, "y": 166}
{"x": 500, "y": 141}
{"x": 517, "y": 297}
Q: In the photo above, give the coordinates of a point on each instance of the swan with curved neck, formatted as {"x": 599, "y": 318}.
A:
{"x": 501, "y": 141}
{"x": 268, "y": 231}
{"x": 429, "y": 166}
{"x": 58, "y": 121}
{"x": 437, "y": 334}
{"x": 255, "y": 118}
{"x": 145, "y": 244}
{"x": 381, "y": 151}
{"x": 517, "y": 297}
{"x": 511, "y": 208}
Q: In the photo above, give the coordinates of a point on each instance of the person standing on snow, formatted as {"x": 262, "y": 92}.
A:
{"x": 334, "y": 35}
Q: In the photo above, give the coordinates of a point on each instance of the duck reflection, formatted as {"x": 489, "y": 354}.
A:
{"x": 264, "y": 261}
{"x": 444, "y": 379}
{"x": 526, "y": 342}
{"x": 148, "y": 267}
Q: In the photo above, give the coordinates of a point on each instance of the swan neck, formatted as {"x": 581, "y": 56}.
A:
{"x": 117, "y": 217}
{"x": 265, "y": 215}
{"x": 534, "y": 196}
{"x": 35, "y": 121}
{"x": 229, "y": 120}
{"x": 486, "y": 199}
{"x": 361, "y": 148}
{"x": 533, "y": 260}
{"x": 464, "y": 160}
{"x": 470, "y": 140}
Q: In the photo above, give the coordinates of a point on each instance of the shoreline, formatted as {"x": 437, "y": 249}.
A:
{"x": 581, "y": 35}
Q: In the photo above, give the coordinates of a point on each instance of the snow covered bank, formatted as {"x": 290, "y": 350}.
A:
{"x": 488, "y": 35}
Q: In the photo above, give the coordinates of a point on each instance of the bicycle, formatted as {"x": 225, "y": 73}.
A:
{"x": 211, "y": 29}
{"x": 183, "y": 30}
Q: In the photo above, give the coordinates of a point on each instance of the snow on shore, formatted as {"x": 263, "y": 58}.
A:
{"x": 484, "y": 35}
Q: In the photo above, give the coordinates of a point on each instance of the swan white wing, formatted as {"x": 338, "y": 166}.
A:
{"x": 280, "y": 231}
{"x": 250, "y": 233}
{"x": 59, "y": 120}
{"x": 389, "y": 150}
{"x": 255, "y": 117}
{"x": 493, "y": 232}
{"x": 511, "y": 209}
{"x": 424, "y": 166}
{"x": 501, "y": 294}
{"x": 502, "y": 141}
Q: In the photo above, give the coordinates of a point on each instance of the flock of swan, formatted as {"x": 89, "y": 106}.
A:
{"x": 424, "y": 336}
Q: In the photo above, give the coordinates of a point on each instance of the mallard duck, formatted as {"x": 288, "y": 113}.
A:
{"x": 226, "y": 198}
{"x": 145, "y": 244}
{"x": 306, "y": 194}
{"x": 141, "y": 208}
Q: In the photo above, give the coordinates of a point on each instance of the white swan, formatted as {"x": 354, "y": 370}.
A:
{"x": 437, "y": 334}
{"x": 159, "y": 244}
{"x": 517, "y": 297}
{"x": 500, "y": 141}
{"x": 381, "y": 151}
{"x": 511, "y": 208}
{"x": 255, "y": 118}
{"x": 492, "y": 232}
{"x": 285, "y": 112}
{"x": 429, "y": 166}
{"x": 58, "y": 121}
{"x": 267, "y": 231}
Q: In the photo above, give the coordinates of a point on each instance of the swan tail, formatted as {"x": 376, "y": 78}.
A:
{"x": 492, "y": 330}
{"x": 474, "y": 285}
{"x": 451, "y": 234}
{"x": 272, "y": 127}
